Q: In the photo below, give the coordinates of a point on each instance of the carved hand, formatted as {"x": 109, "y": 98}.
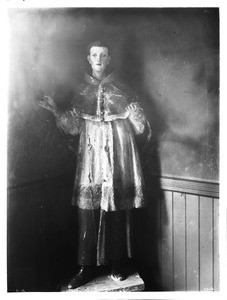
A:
{"x": 134, "y": 109}
{"x": 48, "y": 103}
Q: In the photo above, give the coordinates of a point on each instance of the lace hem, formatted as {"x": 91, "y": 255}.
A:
{"x": 91, "y": 198}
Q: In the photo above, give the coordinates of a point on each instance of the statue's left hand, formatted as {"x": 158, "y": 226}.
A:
{"x": 134, "y": 109}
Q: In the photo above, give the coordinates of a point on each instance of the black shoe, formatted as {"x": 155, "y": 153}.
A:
{"x": 84, "y": 275}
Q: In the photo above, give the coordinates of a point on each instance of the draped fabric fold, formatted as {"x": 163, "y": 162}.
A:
{"x": 108, "y": 180}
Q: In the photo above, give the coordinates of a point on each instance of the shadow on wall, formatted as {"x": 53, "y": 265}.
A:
{"x": 148, "y": 227}
{"x": 50, "y": 232}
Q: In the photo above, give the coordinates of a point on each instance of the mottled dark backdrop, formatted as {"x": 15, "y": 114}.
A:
{"x": 169, "y": 56}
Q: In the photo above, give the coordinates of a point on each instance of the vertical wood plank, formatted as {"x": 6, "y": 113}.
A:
{"x": 179, "y": 242}
{"x": 206, "y": 234}
{"x": 192, "y": 243}
{"x": 216, "y": 244}
{"x": 167, "y": 253}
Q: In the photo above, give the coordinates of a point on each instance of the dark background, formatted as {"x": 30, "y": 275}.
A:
{"x": 170, "y": 57}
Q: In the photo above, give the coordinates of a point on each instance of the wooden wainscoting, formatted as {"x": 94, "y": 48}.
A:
{"x": 189, "y": 238}
{"x": 42, "y": 234}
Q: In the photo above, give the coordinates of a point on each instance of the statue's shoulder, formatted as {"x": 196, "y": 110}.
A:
{"x": 124, "y": 87}
{"x": 81, "y": 86}
{"x": 81, "y": 93}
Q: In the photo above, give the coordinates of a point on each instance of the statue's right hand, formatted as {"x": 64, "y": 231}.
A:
{"x": 47, "y": 102}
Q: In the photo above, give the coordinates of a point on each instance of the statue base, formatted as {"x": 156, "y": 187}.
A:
{"x": 104, "y": 283}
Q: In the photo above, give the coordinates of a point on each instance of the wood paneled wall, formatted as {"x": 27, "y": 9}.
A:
{"x": 42, "y": 229}
{"x": 189, "y": 239}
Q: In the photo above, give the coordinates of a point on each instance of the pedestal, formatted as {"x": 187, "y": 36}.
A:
{"x": 104, "y": 283}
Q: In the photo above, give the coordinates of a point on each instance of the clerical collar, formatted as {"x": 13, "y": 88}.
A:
{"x": 108, "y": 79}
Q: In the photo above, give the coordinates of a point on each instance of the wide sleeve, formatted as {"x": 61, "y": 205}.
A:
{"x": 138, "y": 120}
{"x": 66, "y": 120}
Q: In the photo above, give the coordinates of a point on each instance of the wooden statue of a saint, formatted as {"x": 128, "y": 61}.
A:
{"x": 108, "y": 183}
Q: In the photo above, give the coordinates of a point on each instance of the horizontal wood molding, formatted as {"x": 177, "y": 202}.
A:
{"x": 189, "y": 186}
{"x": 176, "y": 184}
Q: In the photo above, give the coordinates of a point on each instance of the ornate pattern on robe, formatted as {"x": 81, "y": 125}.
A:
{"x": 108, "y": 173}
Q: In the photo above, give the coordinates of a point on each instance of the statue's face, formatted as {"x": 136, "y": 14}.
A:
{"x": 98, "y": 58}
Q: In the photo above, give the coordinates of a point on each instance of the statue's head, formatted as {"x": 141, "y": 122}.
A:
{"x": 98, "y": 56}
